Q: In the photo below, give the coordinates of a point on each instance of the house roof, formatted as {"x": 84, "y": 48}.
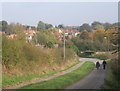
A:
{"x": 30, "y": 31}
{"x": 2, "y": 32}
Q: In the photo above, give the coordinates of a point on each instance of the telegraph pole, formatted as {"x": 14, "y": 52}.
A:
{"x": 36, "y": 36}
{"x": 64, "y": 46}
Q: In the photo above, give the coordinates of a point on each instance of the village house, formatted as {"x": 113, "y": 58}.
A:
{"x": 71, "y": 33}
{"x": 60, "y": 31}
{"x": 76, "y": 34}
{"x": 40, "y": 46}
{"x": 70, "y": 36}
{"x": 29, "y": 34}
{"x": 59, "y": 36}
{"x": 2, "y": 32}
{"x": 56, "y": 45}
{"x": 11, "y": 36}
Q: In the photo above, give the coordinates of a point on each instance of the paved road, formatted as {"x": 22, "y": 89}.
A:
{"x": 91, "y": 59}
{"x": 93, "y": 81}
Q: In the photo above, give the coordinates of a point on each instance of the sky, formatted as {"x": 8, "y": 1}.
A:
{"x": 55, "y": 13}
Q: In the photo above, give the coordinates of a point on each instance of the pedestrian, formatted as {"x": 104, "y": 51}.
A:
{"x": 104, "y": 64}
{"x": 97, "y": 64}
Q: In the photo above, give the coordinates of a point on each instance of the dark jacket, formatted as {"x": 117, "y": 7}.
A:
{"x": 97, "y": 64}
{"x": 104, "y": 62}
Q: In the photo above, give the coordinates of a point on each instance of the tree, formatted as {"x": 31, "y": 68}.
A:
{"x": 33, "y": 28}
{"x": 41, "y": 38}
{"x": 49, "y": 45}
{"x": 84, "y": 35}
{"x": 97, "y": 25}
{"x": 60, "y": 26}
{"x": 114, "y": 64}
{"x": 4, "y": 26}
{"x": 27, "y": 27}
{"x": 14, "y": 28}
{"x": 12, "y": 51}
{"x": 46, "y": 38}
{"x": 107, "y": 26}
{"x": 47, "y": 26}
{"x": 112, "y": 36}
{"x": 41, "y": 25}
{"x": 99, "y": 35}
{"x": 85, "y": 27}
{"x": 116, "y": 24}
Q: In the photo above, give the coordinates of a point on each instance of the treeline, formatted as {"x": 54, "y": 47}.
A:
{"x": 98, "y": 40}
{"x": 94, "y": 26}
{"x": 97, "y": 37}
{"x": 14, "y": 27}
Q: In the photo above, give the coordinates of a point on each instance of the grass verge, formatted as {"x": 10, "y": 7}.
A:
{"x": 112, "y": 77}
{"x": 64, "y": 80}
{"x": 8, "y": 81}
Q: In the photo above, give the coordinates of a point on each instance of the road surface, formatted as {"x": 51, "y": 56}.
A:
{"x": 93, "y": 81}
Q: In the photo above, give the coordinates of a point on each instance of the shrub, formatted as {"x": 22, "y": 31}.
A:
{"x": 112, "y": 76}
{"x": 21, "y": 57}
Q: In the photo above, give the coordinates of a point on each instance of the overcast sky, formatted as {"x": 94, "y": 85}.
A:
{"x": 67, "y": 13}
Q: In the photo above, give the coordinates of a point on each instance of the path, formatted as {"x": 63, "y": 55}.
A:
{"x": 93, "y": 81}
{"x": 47, "y": 78}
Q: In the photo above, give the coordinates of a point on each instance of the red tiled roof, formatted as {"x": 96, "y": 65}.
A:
{"x": 2, "y": 32}
{"x": 58, "y": 34}
{"x": 70, "y": 36}
{"x": 30, "y": 31}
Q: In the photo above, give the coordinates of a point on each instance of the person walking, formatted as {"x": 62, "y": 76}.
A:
{"x": 104, "y": 64}
{"x": 97, "y": 64}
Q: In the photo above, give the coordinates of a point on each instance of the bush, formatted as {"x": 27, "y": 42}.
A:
{"x": 49, "y": 45}
{"x": 74, "y": 48}
{"x": 11, "y": 52}
{"x": 112, "y": 76}
{"x": 21, "y": 58}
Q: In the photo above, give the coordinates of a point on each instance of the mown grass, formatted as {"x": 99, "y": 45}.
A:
{"x": 64, "y": 80}
{"x": 19, "y": 79}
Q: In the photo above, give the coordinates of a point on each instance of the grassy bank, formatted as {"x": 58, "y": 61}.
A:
{"x": 8, "y": 81}
{"x": 64, "y": 80}
{"x": 112, "y": 77}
